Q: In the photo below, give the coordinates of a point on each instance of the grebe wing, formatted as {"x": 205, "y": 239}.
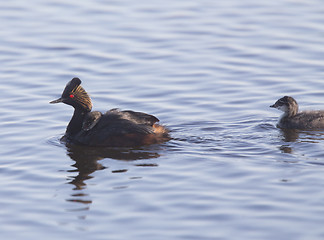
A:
{"x": 90, "y": 120}
{"x": 111, "y": 130}
{"x": 136, "y": 117}
{"x": 309, "y": 120}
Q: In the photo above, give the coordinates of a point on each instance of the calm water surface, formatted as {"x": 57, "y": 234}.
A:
{"x": 209, "y": 70}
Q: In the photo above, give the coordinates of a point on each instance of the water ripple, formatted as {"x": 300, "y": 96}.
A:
{"x": 208, "y": 70}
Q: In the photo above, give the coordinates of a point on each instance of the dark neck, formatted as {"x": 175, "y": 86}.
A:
{"x": 75, "y": 124}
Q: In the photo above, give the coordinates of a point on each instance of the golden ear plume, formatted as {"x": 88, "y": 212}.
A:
{"x": 82, "y": 97}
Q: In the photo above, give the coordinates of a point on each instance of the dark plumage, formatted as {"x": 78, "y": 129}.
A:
{"x": 90, "y": 120}
{"x": 293, "y": 119}
{"x": 115, "y": 128}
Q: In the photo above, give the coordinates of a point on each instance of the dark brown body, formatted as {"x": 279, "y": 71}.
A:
{"x": 122, "y": 129}
{"x": 304, "y": 120}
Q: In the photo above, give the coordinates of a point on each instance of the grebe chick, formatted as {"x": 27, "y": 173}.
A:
{"x": 293, "y": 119}
{"x": 115, "y": 128}
{"x": 90, "y": 120}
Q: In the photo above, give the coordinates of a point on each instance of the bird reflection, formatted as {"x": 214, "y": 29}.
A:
{"x": 87, "y": 162}
{"x": 295, "y": 135}
{"x": 290, "y": 135}
{"x": 86, "y": 159}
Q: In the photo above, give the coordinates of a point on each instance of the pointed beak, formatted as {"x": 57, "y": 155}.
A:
{"x": 274, "y": 105}
{"x": 57, "y": 100}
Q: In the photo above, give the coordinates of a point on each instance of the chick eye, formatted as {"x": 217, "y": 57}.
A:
{"x": 71, "y": 96}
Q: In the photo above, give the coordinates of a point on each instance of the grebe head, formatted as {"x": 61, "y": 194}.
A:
{"x": 75, "y": 96}
{"x": 287, "y": 104}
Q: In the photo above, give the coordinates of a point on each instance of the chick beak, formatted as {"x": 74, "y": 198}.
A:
{"x": 274, "y": 105}
{"x": 57, "y": 101}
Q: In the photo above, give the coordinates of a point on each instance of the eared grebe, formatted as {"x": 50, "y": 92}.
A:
{"x": 115, "y": 128}
{"x": 293, "y": 119}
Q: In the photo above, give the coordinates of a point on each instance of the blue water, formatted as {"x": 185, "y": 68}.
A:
{"x": 209, "y": 71}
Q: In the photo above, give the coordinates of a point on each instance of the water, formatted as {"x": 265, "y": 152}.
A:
{"x": 209, "y": 71}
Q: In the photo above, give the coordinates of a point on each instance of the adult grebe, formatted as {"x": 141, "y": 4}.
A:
{"x": 115, "y": 128}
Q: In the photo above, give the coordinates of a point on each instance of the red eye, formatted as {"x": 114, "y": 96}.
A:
{"x": 71, "y": 96}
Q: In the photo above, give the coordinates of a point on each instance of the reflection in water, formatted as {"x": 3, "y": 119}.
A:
{"x": 86, "y": 162}
{"x": 290, "y": 135}
{"x": 86, "y": 159}
{"x": 295, "y": 135}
